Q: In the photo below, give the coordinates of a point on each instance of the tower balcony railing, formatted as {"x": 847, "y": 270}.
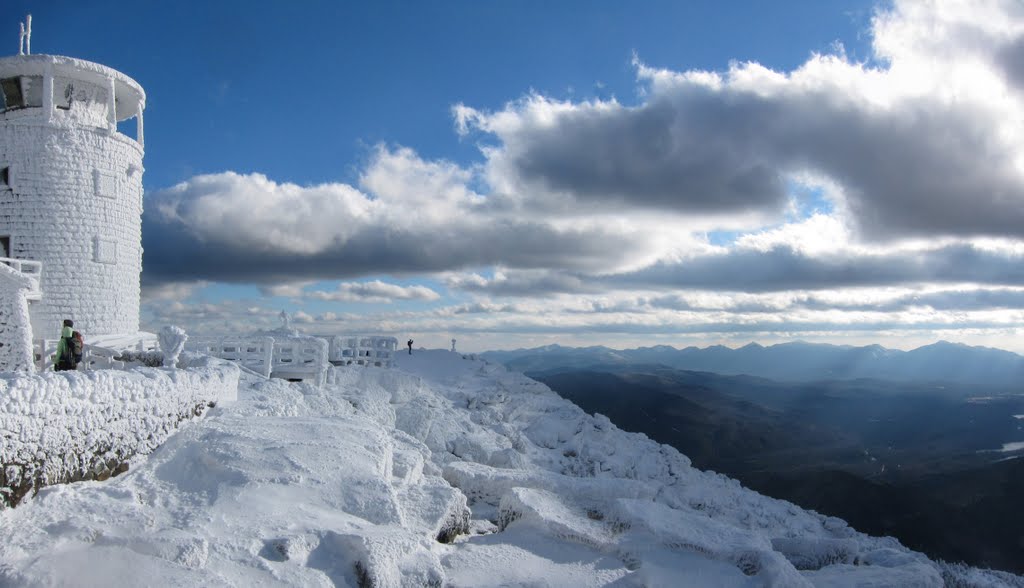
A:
{"x": 33, "y": 270}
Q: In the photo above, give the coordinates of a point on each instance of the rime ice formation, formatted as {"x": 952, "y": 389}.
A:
{"x": 71, "y": 189}
{"x": 60, "y": 426}
{"x": 172, "y": 342}
{"x": 15, "y": 328}
{"x": 370, "y": 350}
{"x": 441, "y": 472}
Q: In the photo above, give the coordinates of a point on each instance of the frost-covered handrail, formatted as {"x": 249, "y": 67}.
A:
{"x": 32, "y": 270}
{"x": 255, "y": 353}
{"x": 98, "y": 358}
{"x": 93, "y": 357}
{"x": 372, "y": 350}
{"x": 299, "y": 357}
{"x": 280, "y": 357}
{"x": 43, "y": 351}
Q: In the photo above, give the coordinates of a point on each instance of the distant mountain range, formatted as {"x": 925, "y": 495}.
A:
{"x": 792, "y": 362}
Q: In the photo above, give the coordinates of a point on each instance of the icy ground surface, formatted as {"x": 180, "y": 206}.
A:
{"x": 353, "y": 484}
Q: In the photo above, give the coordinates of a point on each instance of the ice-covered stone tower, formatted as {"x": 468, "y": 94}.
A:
{"x": 71, "y": 189}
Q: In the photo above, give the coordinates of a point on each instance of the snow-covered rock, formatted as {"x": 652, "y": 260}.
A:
{"x": 443, "y": 472}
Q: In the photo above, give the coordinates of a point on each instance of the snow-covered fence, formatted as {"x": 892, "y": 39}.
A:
{"x": 301, "y": 358}
{"x": 33, "y": 270}
{"x": 99, "y": 358}
{"x": 280, "y": 357}
{"x": 366, "y": 350}
{"x": 94, "y": 357}
{"x": 43, "y": 352}
{"x": 252, "y": 353}
{"x": 58, "y": 427}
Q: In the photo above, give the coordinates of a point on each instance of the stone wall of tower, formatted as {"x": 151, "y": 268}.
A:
{"x": 74, "y": 202}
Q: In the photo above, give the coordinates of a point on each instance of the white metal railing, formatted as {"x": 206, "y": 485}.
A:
{"x": 147, "y": 345}
{"x": 254, "y": 353}
{"x": 33, "y": 270}
{"x": 280, "y": 357}
{"x": 372, "y": 350}
{"x": 99, "y": 358}
{"x": 44, "y": 352}
{"x": 298, "y": 357}
{"x": 301, "y": 357}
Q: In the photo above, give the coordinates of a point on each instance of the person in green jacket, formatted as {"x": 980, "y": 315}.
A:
{"x": 65, "y": 358}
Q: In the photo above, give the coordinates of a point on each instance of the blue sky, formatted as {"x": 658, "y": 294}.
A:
{"x": 301, "y": 92}
{"x": 520, "y": 173}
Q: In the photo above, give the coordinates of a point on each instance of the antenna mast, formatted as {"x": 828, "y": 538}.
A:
{"x": 25, "y": 36}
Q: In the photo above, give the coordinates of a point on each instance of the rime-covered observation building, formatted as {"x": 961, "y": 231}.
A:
{"x": 71, "y": 227}
{"x": 71, "y": 190}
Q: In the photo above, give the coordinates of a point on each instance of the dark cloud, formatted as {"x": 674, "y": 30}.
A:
{"x": 919, "y": 167}
{"x": 174, "y": 253}
{"x": 658, "y": 155}
{"x": 783, "y": 269}
{"x": 1011, "y": 58}
{"x": 672, "y": 302}
{"x": 780, "y": 269}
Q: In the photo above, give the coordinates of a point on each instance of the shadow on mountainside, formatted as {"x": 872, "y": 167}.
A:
{"x": 913, "y": 461}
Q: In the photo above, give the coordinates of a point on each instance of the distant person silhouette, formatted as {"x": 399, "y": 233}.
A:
{"x": 410, "y": 346}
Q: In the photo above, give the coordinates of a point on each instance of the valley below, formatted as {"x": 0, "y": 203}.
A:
{"x": 937, "y": 465}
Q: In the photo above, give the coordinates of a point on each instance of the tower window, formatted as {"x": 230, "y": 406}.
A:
{"x": 22, "y": 92}
{"x": 13, "y": 98}
{"x": 5, "y": 177}
{"x": 69, "y": 93}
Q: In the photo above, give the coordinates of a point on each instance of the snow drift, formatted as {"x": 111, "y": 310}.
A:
{"x": 444, "y": 471}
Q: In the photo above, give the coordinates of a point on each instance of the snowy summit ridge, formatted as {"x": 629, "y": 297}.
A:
{"x": 443, "y": 471}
